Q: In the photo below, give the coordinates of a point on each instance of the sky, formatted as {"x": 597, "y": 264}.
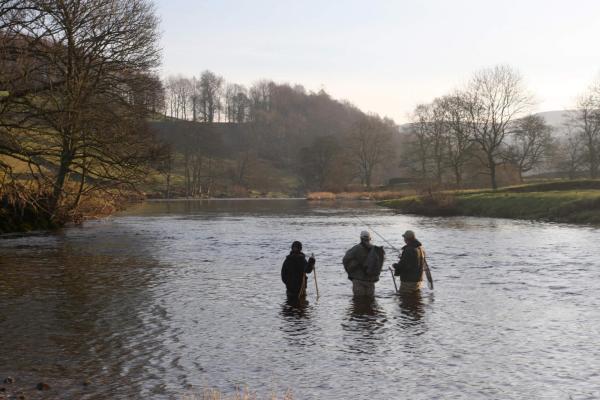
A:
{"x": 386, "y": 56}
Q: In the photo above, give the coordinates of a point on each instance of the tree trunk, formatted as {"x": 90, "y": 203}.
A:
{"x": 187, "y": 173}
{"x": 194, "y": 116}
{"x": 168, "y": 194}
{"x": 492, "y": 167}
{"x": 81, "y": 187}
{"x": 593, "y": 165}
{"x": 521, "y": 176}
{"x": 457, "y": 176}
{"x": 65, "y": 162}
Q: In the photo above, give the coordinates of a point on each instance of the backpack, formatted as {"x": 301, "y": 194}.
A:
{"x": 375, "y": 261}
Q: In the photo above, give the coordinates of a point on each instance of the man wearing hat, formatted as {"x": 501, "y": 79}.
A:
{"x": 412, "y": 264}
{"x": 294, "y": 270}
{"x": 356, "y": 263}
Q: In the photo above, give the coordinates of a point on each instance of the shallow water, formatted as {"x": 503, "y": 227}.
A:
{"x": 170, "y": 297}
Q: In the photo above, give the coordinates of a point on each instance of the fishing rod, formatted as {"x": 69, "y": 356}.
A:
{"x": 375, "y": 232}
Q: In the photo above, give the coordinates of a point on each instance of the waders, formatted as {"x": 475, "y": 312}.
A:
{"x": 303, "y": 287}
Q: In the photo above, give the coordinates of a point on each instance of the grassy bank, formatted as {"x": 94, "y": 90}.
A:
{"x": 574, "y": 202}
{"x": 373, "y": 195}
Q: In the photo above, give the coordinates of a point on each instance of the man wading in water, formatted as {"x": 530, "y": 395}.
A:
{"x": 363, "y": 264}
{"x": 294, "y": 270}
{"x": 412, "y": 264}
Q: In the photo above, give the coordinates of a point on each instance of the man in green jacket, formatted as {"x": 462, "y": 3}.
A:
{"x": 412, "y": 264}
{"x": 363, "y": 269}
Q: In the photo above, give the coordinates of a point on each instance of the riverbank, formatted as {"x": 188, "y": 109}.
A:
{"x": 24, "y": 214}
{"x": 365, "y": 195}
{"x": 563, "y": 201}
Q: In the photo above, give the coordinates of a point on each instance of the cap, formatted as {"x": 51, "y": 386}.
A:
{"x": 365, "y": 234}
{"x": 408, "y": 235}
{"x": 297, "y": 244}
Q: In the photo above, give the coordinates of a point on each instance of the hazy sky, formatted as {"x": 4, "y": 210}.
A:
{"x": 386, "y": 56}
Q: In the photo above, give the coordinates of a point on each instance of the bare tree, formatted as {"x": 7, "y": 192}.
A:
{"x": 572, "y": 155}
{"x": 437, "y": 133}
{"x": 237, "y": 103}
{"x": 494, "y": 98}
{"x": 370, "y": 146}
{"x": 80, "y": 76}
{"x": 430, "y": 137}
{"x": 459, "y": 138}
{"x": 317, "y": 160}
{"x": 530, "y": 142}
{"x": 180, "y": 97}
{"x": 417, "y": 150}
{"x": 260, "y": 99}
{"x": 210, "y": 95}
{"x": 585, "y": 121}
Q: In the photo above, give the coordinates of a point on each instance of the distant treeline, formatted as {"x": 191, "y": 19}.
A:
{"x": 313, "y": 141}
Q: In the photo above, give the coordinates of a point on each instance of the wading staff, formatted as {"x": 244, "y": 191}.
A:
{"x": 393, "y": 278}
{"x": 315, "y": 275}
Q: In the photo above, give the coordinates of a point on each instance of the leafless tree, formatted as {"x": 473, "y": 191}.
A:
{"x": 493, "y": 99}
{"x": 370, "y": 146}
{"x": 210, "y": 86}
{"x": 260, "y": 99}
{"x": 180, "y": 97}
{"x": 80, "y": 77}
{"x": 417, "y": 150}
{"x": 429, "y": 131}
{"x": 572, "y": 154}
{"x": 459, "y": 137}
{"x": 315, "y": 162}
{"x": 585, "y": 121}
{"x": 529, "y": 143}
{"x": 237, "y": 103}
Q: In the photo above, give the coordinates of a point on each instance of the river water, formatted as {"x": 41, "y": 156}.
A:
{"x": 171, "y": 297}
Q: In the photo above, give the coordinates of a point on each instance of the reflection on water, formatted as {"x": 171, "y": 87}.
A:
{"x": 296, "y": 322}
{"x": 364, "y": 326}
{"x": 412, "y": 306}
{"x": 173, "y": 296}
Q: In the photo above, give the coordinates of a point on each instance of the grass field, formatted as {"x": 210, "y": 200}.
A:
{"x": 563, "y": 201}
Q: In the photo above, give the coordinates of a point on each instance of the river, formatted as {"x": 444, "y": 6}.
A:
{"x": 170, "y": 297}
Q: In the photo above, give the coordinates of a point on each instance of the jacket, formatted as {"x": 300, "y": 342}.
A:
{"x": 357, "y": 261}
{"x": 412, "y": 262}
{"x": 293, "y": 272}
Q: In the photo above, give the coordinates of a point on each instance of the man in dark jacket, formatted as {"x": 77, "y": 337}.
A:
{"x": 412, "y": 264}
{"x": 294, "y": 270}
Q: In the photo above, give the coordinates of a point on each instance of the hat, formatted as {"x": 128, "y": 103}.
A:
{"x": 409, "y": 235}
{"x": 365, "y": 235}
{"x": 297, "y": 244}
